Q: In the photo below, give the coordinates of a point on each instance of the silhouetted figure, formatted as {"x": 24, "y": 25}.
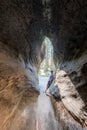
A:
{"x": 51, "y": 78}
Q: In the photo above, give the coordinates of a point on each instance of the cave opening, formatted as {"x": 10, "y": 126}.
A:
{"x": 47, "y": 65}
{"x": 48, "y": 62}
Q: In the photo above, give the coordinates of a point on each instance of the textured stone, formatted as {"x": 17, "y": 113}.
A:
{"x": 23, "y": 25}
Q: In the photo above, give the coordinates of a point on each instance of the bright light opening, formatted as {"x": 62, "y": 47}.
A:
{"x": 47, "y": 65}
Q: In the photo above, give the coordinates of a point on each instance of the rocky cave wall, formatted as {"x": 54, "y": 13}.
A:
{"x": 23, "y": 25}
{"x": 20, "y": 56}
{"x": 69, "y": 20}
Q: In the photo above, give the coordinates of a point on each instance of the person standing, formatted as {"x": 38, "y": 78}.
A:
{"x": 51, "y": 78}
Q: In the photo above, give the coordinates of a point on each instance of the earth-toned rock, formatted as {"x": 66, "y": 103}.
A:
{"x": 23, "y": 25}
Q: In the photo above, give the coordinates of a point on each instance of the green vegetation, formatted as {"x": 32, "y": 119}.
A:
{"x": 47, "y": 63}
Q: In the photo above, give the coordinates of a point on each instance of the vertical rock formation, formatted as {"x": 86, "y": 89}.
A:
{"x": 70, "y": 47}
{"x": 20, "y": 56}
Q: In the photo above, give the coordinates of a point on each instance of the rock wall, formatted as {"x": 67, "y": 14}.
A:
{"x": 20, "y": 44}
{"x": 70, "y": 47}
{"x": 21, "y": 28}
{"x": 23, "y": 25}
{"x": 64, "y": 118}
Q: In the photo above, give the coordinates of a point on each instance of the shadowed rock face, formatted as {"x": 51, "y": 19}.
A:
{"x": 20, "y": 28}
{"x": 70, "y": 46}
{"x": 69, "y": 20}
{"x": 23, "y": 25}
